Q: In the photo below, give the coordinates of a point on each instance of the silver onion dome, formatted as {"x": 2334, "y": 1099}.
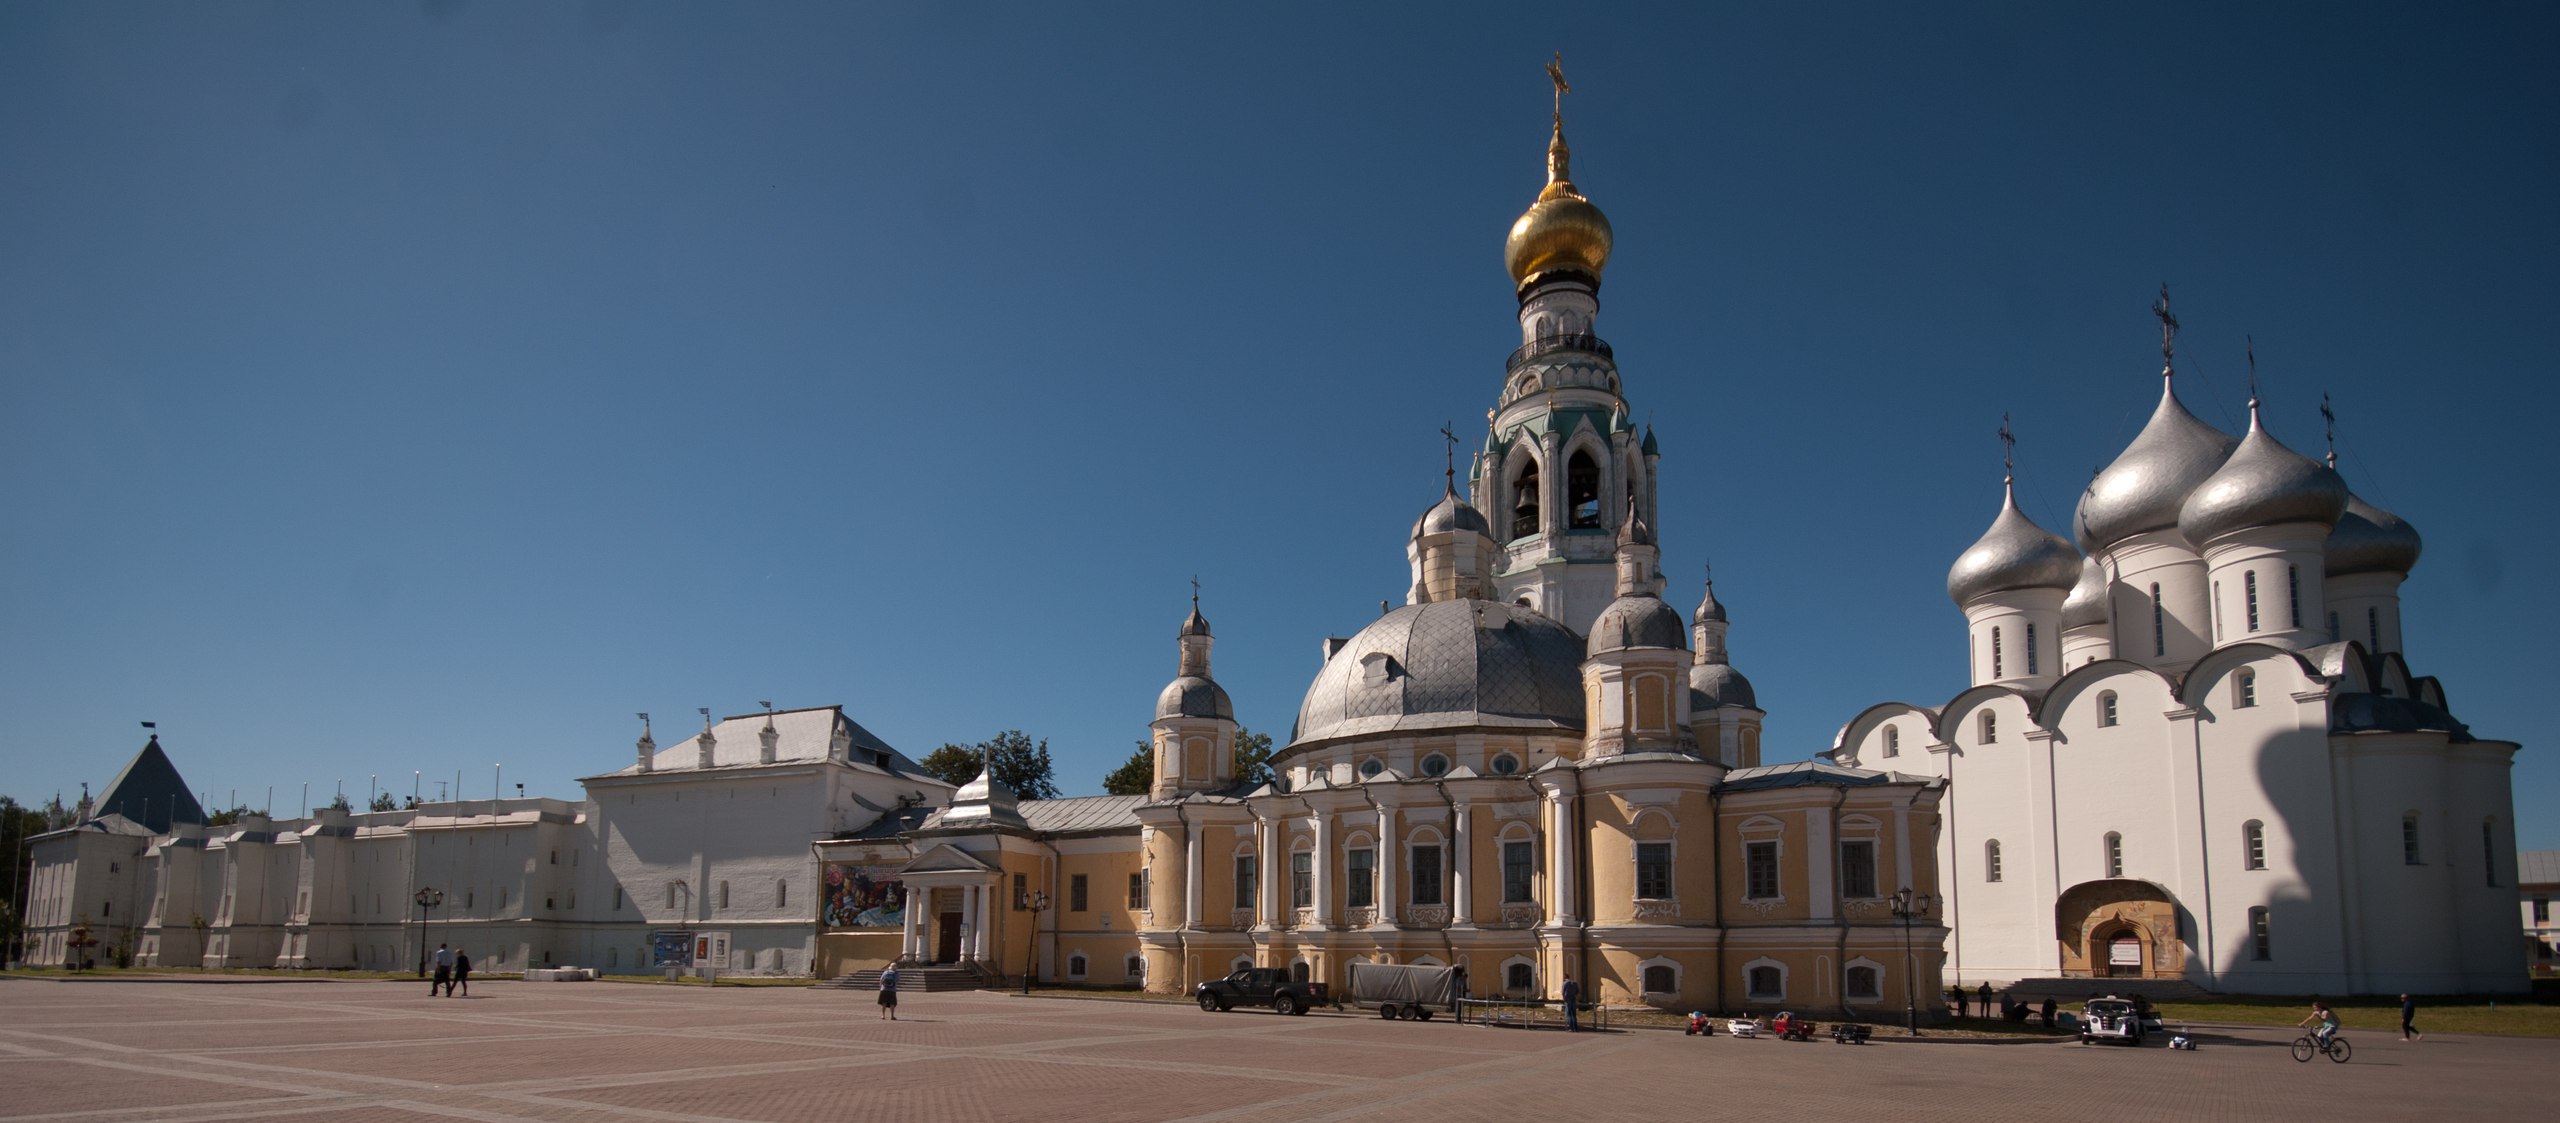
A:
{"x": 2369, "y": 539}
{"x": 1195, "y": 624}
{"x": 2263, "y": 483}
{"x": 2087, "y": 603}
{"x": 1454, "y": 664}
{"x": 2014, "y": 554}
{"x": 1638, "y": 621}
{"x": 1194, "y": 696}
{"x": 1710, "y": 610}
{"x": 1452, "y": 514}
{"x": 1718, "y": 684}
{"x": 2143, "y": 489}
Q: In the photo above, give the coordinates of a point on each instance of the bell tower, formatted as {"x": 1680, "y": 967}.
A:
{"x": 1194, "y": 738}
{"x": 1561, "y": 465}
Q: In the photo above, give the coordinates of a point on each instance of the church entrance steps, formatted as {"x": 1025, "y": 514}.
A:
{"x": 939, "y": 977}
{"x": 2082, "y": 988}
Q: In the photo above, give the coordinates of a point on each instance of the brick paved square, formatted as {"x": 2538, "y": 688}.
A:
{"x": 167, "y": 1051}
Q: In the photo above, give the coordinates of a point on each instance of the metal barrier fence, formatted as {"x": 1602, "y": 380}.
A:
{"x": 1529, "y": 1013}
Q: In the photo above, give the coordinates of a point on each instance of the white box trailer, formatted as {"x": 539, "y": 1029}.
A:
{"x": 1398, "y": 991}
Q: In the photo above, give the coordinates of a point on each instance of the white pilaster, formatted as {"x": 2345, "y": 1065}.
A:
{"x": 1324, "y": 868}
{"x": 1461, "y": 867}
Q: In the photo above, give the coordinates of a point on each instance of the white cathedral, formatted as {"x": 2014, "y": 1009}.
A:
{"x": 2195, "y": 754}
{"x": 2198, "y": 752}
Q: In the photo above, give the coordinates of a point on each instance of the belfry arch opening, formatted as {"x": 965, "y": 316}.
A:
{"x": 1582, "y": 490}
{"x": 1524, "y": 503}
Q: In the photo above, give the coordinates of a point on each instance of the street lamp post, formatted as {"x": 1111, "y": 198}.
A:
{"x": 1910, "y": 906}
{"x": 1033, "y": 901}
{"x": 427, "y": 898}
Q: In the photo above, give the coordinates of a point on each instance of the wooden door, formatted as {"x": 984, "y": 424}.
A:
{"x": 946, "y": 943}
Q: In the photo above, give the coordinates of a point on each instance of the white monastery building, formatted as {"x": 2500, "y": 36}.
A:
{"x": 2195, "y": 753}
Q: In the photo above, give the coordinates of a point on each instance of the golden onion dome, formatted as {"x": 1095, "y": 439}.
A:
{"x": 1562, "y": 231}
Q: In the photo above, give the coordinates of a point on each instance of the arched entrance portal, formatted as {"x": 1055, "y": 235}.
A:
{"x": 2119, "y": 928}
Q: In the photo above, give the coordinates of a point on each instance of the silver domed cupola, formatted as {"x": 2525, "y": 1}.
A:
{"x": 2369, "y": 539}
{"x": 2087, "y": 603}
{"x": 1452, "y": 515}
{"x": 2263, "y": 483}
{"x": 2014, "y": 554}
{"x": 2144, "y": 488}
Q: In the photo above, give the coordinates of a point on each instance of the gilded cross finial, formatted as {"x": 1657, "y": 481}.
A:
{"x": 1559, "y": 157}
{"x": 1449, "y": 458}
{"x": 2008, "y": 451}
{"x": 2329, "y": 428}
{"x": 2168, "y": 328}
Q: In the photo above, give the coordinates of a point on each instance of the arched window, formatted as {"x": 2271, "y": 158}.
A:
{"x": 1892, "y": 741}
{"x": 1750, "y": 742}
{"x": 2261, "y": 935}
{"x": 2249, "y": 596}
{"x": 2159, "y": 624}
{"x": 2244, "y": 689}
{"x": 2106, "y": 708}
{"x": 2410, "y": 852}
{"x": 1991, "y": 860}
{"x": 1996, "y": 671}
{"x": 1765, "y": 981}
{"x": 1582, "y": 490}
{"x": 1524, "y": 502}
{"x": 1990, "y": 723}
{"x": 1862, "y": 981}
{"x": 2217, "y": 612}
{"x": 1075, "y": 966}
{"x": 1298, "y": 971}
{"x": 1518, "y": 976}
{"x": 2115, "y": 854}
{"x": 1135, "y": 967}
{"x": 1661, "y": 978}
{"x": 2031, "y": 649}
{"x": 2253, "y": 843}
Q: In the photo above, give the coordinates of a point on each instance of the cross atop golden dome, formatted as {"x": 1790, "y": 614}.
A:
{"x": 1561, "y": 232}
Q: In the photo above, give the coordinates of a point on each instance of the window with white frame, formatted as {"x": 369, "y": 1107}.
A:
{"x": 1765, "y": 980}
{"x": 1075, "y": 966}
{"x": 1862, "y": 980}
{"x": 1519, "y": 976}
{"x": 1435, "y": 765}
{"x": 1426, "y": 874}
{"x": 1360, "y": 878}
{"x": 1519, "y": 857}
{"x": 1302, "y": 878}
{"x": 2244, "y": 689}
{"x": 1653, "y": 870}
{"x": 1760, "y": 870}
{"x": 1990, "y": 727}
{"x": 1661, "y": 978}
{"x": 1248, "y": 879}
{"x": 1138, "y": 886}
{"x": 1134, "y": 968}
{"x": 1858, "y": 869}
{"x": 2106, "y": 708}
{"x": 1892, "y": 740}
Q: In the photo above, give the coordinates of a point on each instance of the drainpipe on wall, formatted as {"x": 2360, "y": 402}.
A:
{"x": 1582, "y": 875}
{"x": 1839, "y": 916}
{"x": 1181, "y": 934}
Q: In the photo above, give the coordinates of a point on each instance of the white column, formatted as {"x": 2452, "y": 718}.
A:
{"x": 1324, "y": 867}
{"x": 1191, "y": 877}
{"x": 915, "y": 924}
{"x": 1390, "y": 856}
{"x": 1461, "y": 864}
{"x": 969, "y": 922}
{"x": 1272, "y": 864}
{"x": 1561, "y": 848}
{"x": 985, "y": 939}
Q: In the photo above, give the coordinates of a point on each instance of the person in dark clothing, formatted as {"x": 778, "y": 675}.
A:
{"x": 1983, "y": 997}
{"x": 1955, "y": 998}
{"x": 461, "y": 973}
{"x": 2409, "y": 1018}
{"x": 1572, "y": 997}
{"x": 2046, "y": 1011}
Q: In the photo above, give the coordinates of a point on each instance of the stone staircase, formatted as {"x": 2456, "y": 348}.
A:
{"x": 2072, "y": 990}
{"x": 924, "y": 977}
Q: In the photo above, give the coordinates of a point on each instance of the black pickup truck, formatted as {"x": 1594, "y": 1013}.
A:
{"x": 1261, "y": 986}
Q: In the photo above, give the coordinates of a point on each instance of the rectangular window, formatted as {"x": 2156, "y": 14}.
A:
{"x": 1516, "y": 872}
{"x": 1858, "y": 870}
{"x": 1360, "y": 887}
{"x": 2261, "y": 938}
{"x": 2293, "y": 594}
{"x": 1653, "y": 871}
{"x": 1138, "y": 891}
{"x": 2256, "y": 836}
{"x": 2031, "y": 649}
{"x": 2217, "y": 611}
{"x": 1760, "y": 871}
{"x": 1248, "y": 870}
{"x": 2159, "y": 624}
{"x": 2542, "y": 910}
{"x": 2249, "y": 590}
{"x": 1995, "y": 653}
{"x": 2373, "y": 629}
{"x": 1302, "y": 880}
{"x": 1076, "y": 893}
{"x": 1021, "y": 892}
{"x": 1426, "y": 875}
{"x": 2409, "y": 850}
{"x": 1991, "y": 860}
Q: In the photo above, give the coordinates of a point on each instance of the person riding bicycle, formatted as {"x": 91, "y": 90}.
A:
{"x": 2328, "y": 1020}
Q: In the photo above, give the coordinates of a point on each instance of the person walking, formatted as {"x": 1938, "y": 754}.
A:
{"x": 1983, "y": 998}
{"x": 443, "y": 979}
{"x": 1572, "y": 997}
{"x": 461, "y": 973}
{"x": 1955, "y": 997}
{"x": 889, "y": 992}
{"x": 2409, "y": 1018}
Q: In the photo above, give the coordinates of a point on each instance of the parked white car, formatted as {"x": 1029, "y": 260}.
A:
{"x": 2110, "y": 1019}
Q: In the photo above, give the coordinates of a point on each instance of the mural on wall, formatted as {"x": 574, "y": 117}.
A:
{"x": 864, "y": 896}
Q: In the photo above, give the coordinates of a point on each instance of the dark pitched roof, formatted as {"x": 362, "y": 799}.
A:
{"x": 149, "y": 791}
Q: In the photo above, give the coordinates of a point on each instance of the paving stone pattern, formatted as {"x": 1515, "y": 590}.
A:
{"x": 109, "y": 1050}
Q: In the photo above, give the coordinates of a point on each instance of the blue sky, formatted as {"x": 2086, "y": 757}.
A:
{"x": 393, "y": 388}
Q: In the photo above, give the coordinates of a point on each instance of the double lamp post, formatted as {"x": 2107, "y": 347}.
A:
{"x": 1908, "y": 907}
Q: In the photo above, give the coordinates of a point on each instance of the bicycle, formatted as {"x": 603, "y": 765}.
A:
{"x": 2309, "y": 1044}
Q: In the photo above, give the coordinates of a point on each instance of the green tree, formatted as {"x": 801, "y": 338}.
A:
{"x": 382, "y": 801}
{"x": 1135, "y": 775}
{"x": 1018, "y": 762}
{"x": 341, "y": 804}
{"x": 226, "y": 817}
{"x": 1253, "y": 756}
